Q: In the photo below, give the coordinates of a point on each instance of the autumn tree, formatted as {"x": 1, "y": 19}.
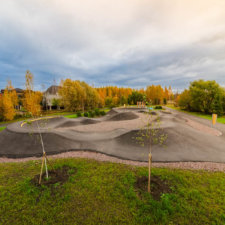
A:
{"x": 92, "y": 96}
{"x": 155, "y": 94}
{"x": 32, "y": 100}
{"x": 78, "y": 95}
{"x": 8, "y": 102}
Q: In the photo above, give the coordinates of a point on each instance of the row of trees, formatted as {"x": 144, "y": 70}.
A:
{"x": 31, "y": 100}
{"x": 75, "y": 95}
{"x": 118, "y": 96}
{"x": 203, "y": 96}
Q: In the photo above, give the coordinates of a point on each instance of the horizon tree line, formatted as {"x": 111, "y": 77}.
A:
{"x": 75, "y": 95}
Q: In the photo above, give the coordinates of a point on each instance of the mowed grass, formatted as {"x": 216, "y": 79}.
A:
{"x": 198, "y": 114}
{"x": 2, "y": 128}
{"x": 104, "y": 193}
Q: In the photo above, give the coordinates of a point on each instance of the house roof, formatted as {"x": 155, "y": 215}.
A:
{"x": 18, "y": 90}
{"x": 53, "y": 90}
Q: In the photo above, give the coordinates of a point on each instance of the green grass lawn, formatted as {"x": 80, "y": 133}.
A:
{"x": 201, "y": 115}
{"x": 105, "y": 193}
{"x": 2, "y": 128}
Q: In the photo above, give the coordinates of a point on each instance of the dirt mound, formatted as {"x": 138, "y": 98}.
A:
{"x": 166, "y": 112}
{"x": 112, "y": 112}
{"x": 158, "y": 186}
{"x": 69, "y": 124}
{"x": 59, "y": 175}
{"x": 123, "y": 116}
{"x": 89, "y": 121}
{"x": 153, "y": 113}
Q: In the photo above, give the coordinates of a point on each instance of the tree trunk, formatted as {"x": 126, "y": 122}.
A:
{"x": 149, "y": 171}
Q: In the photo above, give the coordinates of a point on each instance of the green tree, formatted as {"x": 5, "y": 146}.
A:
{"x": 185, "y": 100}
{"x": 206, "y": 96}
{"x": 135, "y": 97}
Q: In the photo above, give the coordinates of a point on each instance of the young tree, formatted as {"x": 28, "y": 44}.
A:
{"x": 32, "y": 100}
{"x": 151, "y": 134}
{"x": 31, "y": 103}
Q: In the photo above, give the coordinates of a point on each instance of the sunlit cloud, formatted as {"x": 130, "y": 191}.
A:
{"x": 125, "y": 43}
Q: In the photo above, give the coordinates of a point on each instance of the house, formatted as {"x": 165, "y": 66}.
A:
{"x": 20, "y": 94}
{"x": 51, "y": 98}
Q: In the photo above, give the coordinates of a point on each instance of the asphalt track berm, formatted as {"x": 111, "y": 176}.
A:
{"x": 184, "y": 143}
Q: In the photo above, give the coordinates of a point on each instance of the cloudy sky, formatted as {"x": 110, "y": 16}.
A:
{"x": 121, "y": 42}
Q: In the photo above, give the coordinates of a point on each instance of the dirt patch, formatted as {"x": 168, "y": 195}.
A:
{"x": 112, "y": 112}
{"x": 153, "y": 113}
{"x": 166, "y": 112}
{"x": 123, "y": 116}
{"x": 69, "y": 124}
{"x": 89, "y": 121}
{"x": 158, "y": 186}
{"x": 59, "y": 175}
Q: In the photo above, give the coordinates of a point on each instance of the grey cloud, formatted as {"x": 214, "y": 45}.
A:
{"x": 129, "y": 43}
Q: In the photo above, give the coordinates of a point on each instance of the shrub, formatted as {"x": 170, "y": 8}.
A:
{"x": 158, "y": 107}
{"x": 85, "y": 114}
{"x": 78, "y": 114}
{"x": 97, "y": 112}
{"x": 91, "y": 113}
{"x": 102, "y": 113}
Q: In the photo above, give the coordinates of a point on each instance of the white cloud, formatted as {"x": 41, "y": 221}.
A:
{"x": 128, "y": 42}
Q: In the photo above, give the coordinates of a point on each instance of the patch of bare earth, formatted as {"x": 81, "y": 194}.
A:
{"x": 203, "y": 128}
{"x": 158, "y": 186}
{"x": 209, "y": 166}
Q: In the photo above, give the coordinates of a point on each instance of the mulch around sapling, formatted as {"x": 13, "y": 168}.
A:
{"x": 158, "y": 186}
{"x": 58, "y": 175}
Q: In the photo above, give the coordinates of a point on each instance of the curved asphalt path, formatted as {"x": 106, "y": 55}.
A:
{"x": 184, "y": 143}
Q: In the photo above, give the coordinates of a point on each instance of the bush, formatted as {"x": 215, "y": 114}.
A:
{"x": 78, "y": 114}
{"x": 97, "y": 112}
{"x": 158, "y": 107}
{"x": 102, "y": 113}
{"x": 91, "y": 114}
{"x": 85, "y": 114}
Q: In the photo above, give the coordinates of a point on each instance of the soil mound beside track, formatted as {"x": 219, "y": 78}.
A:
{"x": 89, "y": 121}
{"x": 123, "y": 116}
{"x": 71, "y": 123}
{"x": 153, "y": 113}
{"x": 112, "y": 112}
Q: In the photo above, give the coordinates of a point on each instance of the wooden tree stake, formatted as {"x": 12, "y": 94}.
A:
{"x": 149, "y": 171}
{"x": 43, "y": 159}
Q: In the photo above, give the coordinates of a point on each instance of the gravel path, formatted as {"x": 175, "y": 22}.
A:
{"x": 203, "y": 128}
{"x": 209, "y": 166}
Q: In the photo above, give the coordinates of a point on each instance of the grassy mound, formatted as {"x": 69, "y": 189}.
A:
{"x": 106, "y": 193}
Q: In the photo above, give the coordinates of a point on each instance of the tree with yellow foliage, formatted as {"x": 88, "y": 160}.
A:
{"x": 32, "y": 99}
{"x": 8, "y": 102}
{"x": 78, "y": 95}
